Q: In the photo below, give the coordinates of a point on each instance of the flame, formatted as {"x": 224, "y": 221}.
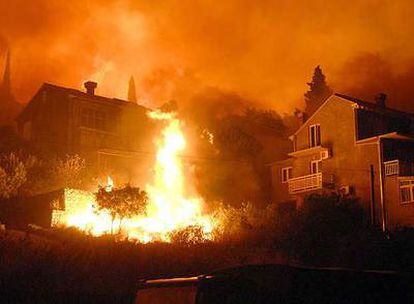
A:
{"x": 170, "y": 206}
{"x": 208, "y": 135}
{"x": 109, "y": 184}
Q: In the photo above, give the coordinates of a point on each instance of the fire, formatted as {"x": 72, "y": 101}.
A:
{"x": 109, "y": 184}
{"x": 170, "y": 206}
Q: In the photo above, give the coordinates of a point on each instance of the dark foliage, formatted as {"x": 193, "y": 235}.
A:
{"x": 316, "y": 229}
{"x": 266, "y": 118}
{"x": 122, "y": 202}
{"x": 318, "y": 92}
{"x": 68, "y": 266}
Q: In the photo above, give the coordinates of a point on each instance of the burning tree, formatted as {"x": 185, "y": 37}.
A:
{"x": 13, "y": 175}
{"x": 122, "y": 203}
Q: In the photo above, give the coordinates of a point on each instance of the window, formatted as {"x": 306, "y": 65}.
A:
{"x": 93, "y": 119}
{"x": 286, "y": 174}
{"x": 314, "y": 136}
{"x": 315, "y": 166}
{"x": 407, "y": 191}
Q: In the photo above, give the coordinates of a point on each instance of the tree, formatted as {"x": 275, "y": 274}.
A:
{"x": 132, "y": 95}
{"x": 122, "y": 203}
{"x": 318, "y": 92}
{"x": 68, "y": 171}
{"x": 232, "y": 139}
{"x": 265, "y": 118}
{"x": 13, "y": 175}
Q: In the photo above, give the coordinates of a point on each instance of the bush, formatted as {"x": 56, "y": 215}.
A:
{"x": 188, "y": 236}
{"x": 316, "y": 229}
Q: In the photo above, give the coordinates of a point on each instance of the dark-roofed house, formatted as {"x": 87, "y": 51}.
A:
{"x": 353, "y": 147}
{"x": 68, "y": 121}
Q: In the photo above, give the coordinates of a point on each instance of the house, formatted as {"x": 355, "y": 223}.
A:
{"x": 353, "y": 147}
{"x": 110, "y": 132}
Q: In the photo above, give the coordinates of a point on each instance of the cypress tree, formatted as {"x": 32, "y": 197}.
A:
{"x": 318, "y": 92}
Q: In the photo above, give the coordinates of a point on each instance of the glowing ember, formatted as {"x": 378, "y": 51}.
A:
{"x": 170, "y": 206}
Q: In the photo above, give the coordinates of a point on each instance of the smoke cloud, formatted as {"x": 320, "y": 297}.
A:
{"x": 262, "y": 50}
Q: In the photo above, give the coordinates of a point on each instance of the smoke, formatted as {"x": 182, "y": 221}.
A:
{"x": 369, "y": 74}
{"x": 264, "y": 50}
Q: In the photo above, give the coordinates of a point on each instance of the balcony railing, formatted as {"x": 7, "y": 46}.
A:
{"x": 399, "y": 167}
{"x": 392, "y": 167}
{"x": 305, "y": 183}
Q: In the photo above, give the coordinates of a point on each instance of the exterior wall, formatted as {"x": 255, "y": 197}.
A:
{"x": 84, "y": 139}
{"x": 349, "y": 163}
{"x": 398, "y": 214}
{"x": 54, "y": 122}
{"x": 47, "y": 126}
{"x": 75, "y": 210}
{"x": 280, "y": 191}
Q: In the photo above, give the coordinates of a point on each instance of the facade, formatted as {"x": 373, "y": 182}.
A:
{"x": 353, "y": 147}
{"x": 110, "y": 132}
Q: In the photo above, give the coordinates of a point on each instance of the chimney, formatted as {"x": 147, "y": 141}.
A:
{"x": 381, "y": 99}
{"x": 90, "y": 87}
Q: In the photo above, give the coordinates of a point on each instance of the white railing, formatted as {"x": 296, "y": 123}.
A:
{"x": 392, "y": 167}
{"x": 305, "y": 183}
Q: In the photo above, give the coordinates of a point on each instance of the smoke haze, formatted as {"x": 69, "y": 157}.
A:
{"x": 262, "y": 50}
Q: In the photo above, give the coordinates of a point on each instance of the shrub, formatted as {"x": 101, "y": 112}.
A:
{"x": 188, "y": 236}
{"x": 13, "y": 175}
{"x": 316, "y": 229}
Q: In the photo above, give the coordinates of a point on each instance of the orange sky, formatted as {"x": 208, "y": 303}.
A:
{"x": 262, "y": 50}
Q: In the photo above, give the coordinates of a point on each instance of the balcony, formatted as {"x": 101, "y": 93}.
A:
{"x": 398, "y": 167}
{"x": 392, "y": 167}
{"x": 305, "y": 183}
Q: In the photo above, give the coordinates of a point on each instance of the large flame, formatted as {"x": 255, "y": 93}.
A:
{"x": 170, "y": 206}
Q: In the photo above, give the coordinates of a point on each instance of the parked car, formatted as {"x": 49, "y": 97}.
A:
{"x": 265, "y": 284}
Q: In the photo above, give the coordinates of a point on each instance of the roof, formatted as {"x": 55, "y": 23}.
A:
{"x": 392, "y": 135}
{"x": 176, "y": 282}
{"x": 376, "y": 108}
{"x": 369, "y": 106}
{"x": 78, "y": 94}
{"x": 255, "y": 270}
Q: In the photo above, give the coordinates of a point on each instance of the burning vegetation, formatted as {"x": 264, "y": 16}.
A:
{"x": 166, "y": 206}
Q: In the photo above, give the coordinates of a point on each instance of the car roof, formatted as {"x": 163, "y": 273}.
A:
{"x": 252, "y": 271}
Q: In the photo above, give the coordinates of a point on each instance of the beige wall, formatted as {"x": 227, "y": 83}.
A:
{"x": 280, "y": 192}
{"x": 349, "y": 163}
{"x": 397, "y": 213}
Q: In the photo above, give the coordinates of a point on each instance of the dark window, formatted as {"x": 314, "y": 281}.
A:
{"x": 286, "y": 174}
{"x": 314, "y": 136}
{"x": 93, "y": 119}
{"x": 316, "y": 166}
{"x": 407, "y": 191}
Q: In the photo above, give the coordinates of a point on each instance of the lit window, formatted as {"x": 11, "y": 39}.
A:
{"x": 286, "y": 174}
{"x": 407, "y": 191}
{"x": 315, "y": 166}
{"x": 314, "y": 135}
